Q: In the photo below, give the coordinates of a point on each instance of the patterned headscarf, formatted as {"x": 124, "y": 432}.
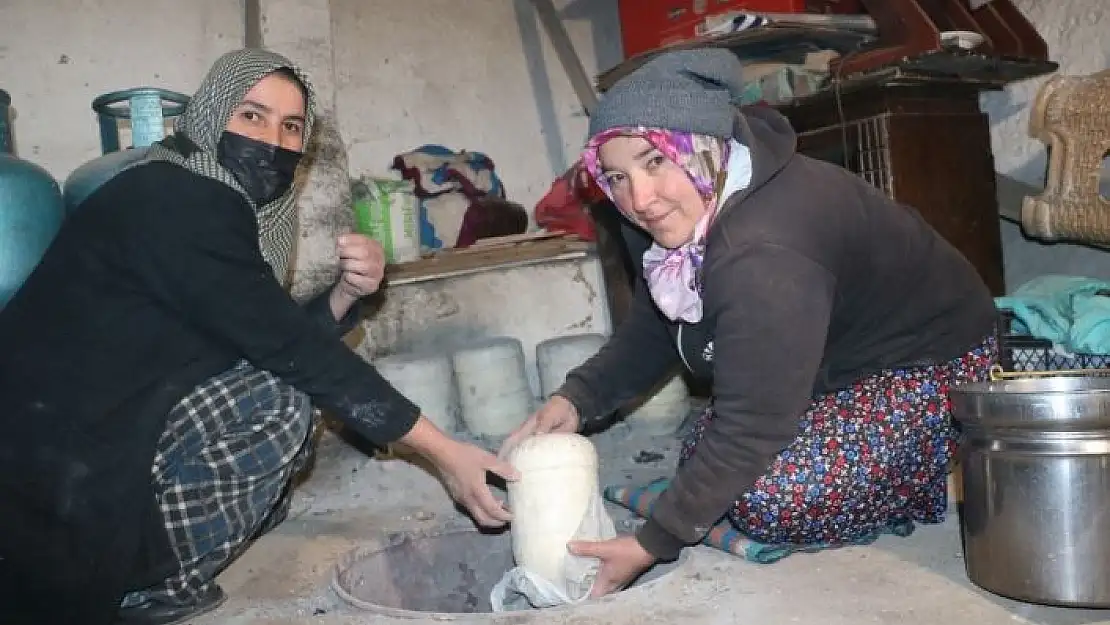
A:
{"x": 203, "y": 122}
{"x": 674, "y": 275}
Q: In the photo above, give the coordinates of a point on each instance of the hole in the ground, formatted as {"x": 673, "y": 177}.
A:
{"x": 445, "y": 572}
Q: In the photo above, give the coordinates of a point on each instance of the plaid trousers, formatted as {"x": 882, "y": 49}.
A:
{"x": 222, "y": 472}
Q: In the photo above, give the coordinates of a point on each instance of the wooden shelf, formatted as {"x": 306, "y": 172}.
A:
{"x": 489, "y": 254}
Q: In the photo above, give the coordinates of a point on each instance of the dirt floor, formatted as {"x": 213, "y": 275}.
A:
{"x": 355, "y": 502}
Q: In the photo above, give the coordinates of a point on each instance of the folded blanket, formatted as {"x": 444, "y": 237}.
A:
{"x": 724, "y": 535}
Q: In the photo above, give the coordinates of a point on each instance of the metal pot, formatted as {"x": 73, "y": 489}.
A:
{"x": 1035, "y": 462}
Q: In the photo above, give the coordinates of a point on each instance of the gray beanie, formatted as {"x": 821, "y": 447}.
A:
{"x": 688, "y": 90}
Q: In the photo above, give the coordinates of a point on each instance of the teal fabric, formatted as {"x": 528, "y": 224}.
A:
{"x": 1071, "y": 311}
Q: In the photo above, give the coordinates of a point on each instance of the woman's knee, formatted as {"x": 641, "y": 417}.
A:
{"x": 295, "y": 410}
{"x": 279, "y": 404}
{"x": 769, "y": 511}
{"x": 805, "y": 499}
{"x": 279, "y": 417}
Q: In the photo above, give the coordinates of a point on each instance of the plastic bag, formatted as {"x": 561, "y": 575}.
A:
{"x": 387, "y": 211}
{"x": 520, "y": 589}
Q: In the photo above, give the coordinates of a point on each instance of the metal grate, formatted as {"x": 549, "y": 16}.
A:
{"x": 862, "y": 147}
{"x": 872, "y": 160}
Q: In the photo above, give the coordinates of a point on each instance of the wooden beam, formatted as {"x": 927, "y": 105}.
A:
{"x": 572, "y": 65}
{"x": 252, "y": 23}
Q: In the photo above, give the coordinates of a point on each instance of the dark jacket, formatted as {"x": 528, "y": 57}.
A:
{"x": 813, "y": 278}
{"x": 155, "y": 284}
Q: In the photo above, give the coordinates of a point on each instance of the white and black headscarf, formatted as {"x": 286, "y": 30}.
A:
{"x": 203, "y": 122}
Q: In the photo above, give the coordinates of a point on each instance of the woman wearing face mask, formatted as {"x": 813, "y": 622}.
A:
{"x": 830, "y": 320}
{"x": 158, "y": 381}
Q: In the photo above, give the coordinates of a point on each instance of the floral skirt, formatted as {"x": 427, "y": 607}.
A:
{"x": 868, "y": 459}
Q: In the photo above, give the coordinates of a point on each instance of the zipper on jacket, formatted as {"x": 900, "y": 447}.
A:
{"x": 681, "y": 353}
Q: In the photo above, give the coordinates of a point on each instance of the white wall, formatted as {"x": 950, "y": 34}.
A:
{"x": 446, "y": 314}
{"x": 478, "y": 75}
{"x": 57, "y": 55}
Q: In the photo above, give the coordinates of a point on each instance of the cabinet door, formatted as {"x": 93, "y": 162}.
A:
{"x": 940, "y": 165}
{"x": 862, "y": 147}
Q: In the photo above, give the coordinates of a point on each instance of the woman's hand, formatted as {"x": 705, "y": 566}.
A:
{"x": 557, "y": 415}
{"x": 361, "y": 266}
{"x": 463, "y": 467}
{"x": 623, "y": 559}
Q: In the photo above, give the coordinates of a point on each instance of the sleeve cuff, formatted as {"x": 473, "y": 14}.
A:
{"x": 580, "y": 397}
{"x": 658, "y": 541}
{"x": 350, "y": 321}
{"x": 319, "y": 308}
{"x": 403, "y": 424}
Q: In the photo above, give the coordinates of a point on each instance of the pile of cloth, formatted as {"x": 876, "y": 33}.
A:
{"x": 1073, "y": 312}
{"x": 564, "y": 207}
{"x": 461, "y": 199}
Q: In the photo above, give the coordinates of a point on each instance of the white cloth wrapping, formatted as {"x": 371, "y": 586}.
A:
{"x": 520, "y": 589}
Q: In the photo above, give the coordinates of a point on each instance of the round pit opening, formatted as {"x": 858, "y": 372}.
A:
{"x": 445, "y": 574}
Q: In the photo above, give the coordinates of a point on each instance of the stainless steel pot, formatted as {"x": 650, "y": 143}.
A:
{"x": 1035, "y": 462}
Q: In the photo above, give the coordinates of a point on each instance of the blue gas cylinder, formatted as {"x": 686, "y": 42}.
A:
{"x": 31, "y": 211}
{"x": 148, "y": 109}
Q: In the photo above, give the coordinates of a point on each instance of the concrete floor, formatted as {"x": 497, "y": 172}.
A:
{"x": 351, "y": 501}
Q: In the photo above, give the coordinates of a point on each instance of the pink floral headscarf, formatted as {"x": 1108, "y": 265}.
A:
{"x": 674, "y": 276}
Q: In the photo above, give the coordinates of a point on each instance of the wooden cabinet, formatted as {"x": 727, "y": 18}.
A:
{"x": 925, "y": 145}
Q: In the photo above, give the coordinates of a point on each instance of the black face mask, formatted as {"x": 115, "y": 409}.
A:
{"x": 265, "y": 171}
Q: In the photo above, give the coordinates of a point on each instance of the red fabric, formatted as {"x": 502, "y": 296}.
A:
{"x": 489, "y": 217}
{"x": 585, "y": 188}
{"x": 564, "y": 207}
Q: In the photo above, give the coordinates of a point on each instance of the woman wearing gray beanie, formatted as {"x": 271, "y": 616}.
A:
{"x": 830, "y": 320}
